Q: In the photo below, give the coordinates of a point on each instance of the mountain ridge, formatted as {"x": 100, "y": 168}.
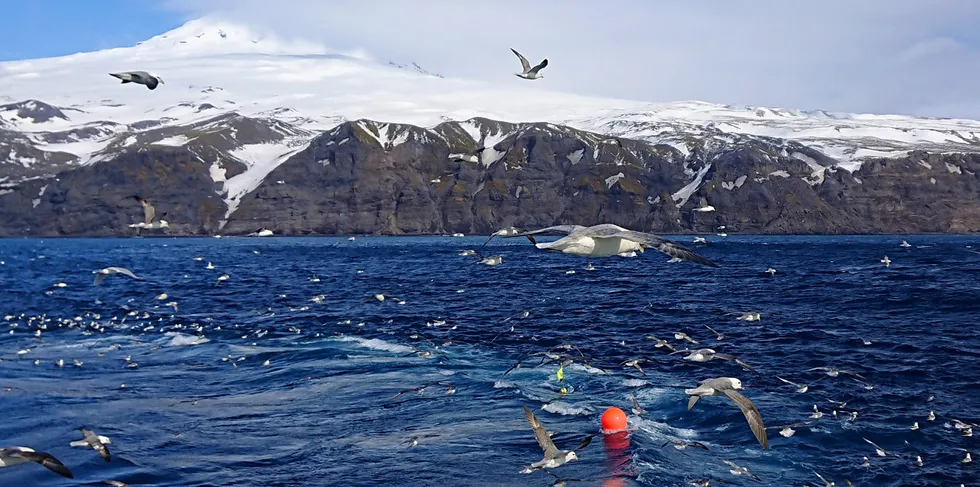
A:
{"x": 240, "y": 105}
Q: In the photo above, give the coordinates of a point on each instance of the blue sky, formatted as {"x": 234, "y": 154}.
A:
{"x": 45, "y": 28}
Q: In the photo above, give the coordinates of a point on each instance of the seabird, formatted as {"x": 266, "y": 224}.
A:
{"x": 708, "y": 354}
{"x": 826, "y": 482}
{"x": 801, "y": 388}
{"x": 467, "y": 253}
{"x": 750, "y": 316}
{"x": 606, "y": 240}
{"x": 149, "y": 214}
{"x": 718, "y": 336}
{"x": 96, "y": 442}
{"x": 729, "y": 387}
{"x": 703, "y": 206}
{"x": 816, "y": 414}
{"x": 635, "y": 363}
{"x": 787, "y": 430}
{"x": 637, "y": 409}
{"x": 904, "y": 244}
{"x": 115, "y": 483}
{"x": 682, "y": 444}
{"x": 680, "y": 335}
{"x": 879, "y": 450}
{"x": 108, "y": 271}
{"x": 931, "y": 417}
{"x": 661, "y": 343}
{"x": 834, "y": 372}
{"x": 492, "y": 260}
{"x": 700, "y": 240}
{"x": 736, "y": 470}
{"x": 529, "y": 72}
{"x": 553, "y": 457}
{"x": 771, "y": 271}
{"x": 16, "y": 455}
{"x": 886, "y": 261}
{"x": 140, "y": 77}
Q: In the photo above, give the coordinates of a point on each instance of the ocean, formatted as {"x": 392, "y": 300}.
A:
{"x": 271, "y": 379}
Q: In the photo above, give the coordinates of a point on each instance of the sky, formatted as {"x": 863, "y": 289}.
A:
{"x": 878, "y": 56}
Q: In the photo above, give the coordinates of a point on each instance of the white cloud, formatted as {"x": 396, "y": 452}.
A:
{"x": 883, "y": 56}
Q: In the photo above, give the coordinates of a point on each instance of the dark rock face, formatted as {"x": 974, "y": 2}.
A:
{"x": 365, "y": 177}
{"x": 97, "y": 200}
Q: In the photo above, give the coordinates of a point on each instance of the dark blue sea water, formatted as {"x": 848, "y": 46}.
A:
{"x": 321, "y": 412}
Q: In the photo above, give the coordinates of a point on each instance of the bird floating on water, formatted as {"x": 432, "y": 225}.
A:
{"x": 528, "y": 72}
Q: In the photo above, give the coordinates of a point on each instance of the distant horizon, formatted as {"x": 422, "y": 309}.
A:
{"x": 921, "y": 62}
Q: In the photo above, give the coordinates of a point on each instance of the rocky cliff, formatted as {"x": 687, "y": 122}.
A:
{"x": 474, "y": 176}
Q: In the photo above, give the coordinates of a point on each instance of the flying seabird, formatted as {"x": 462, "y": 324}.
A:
{"x": 879, "y": 450}
{"x": 708, "y": 354}
{"x": 904, "y": 244}
{"x": 149, "y": 214}
{"x": 787, "y": 430}
{"x": 529, "y": 72}
{"x": 703, "y": 206}
{"x": 680, "y": 335}
{"x": 886, "y": 261}
{"x": 661, "y": 343}
{"x": 96, "y": 442}
{"x": 736, "y": 470}
{"x": 140, "y": 77}
{"x": 718, "y": 336}
{"x": 635, "y": 363}
{"x": 16, "y": 455}
{"x": 729, "y": 386}
{"x": 801, "y": 388}
{"x": 553, "y": 457}
{"x": 771, "y": 271}
{"x": 682, "y": 444}
{"x": 115, "y": 483}
{"x": 606, "y": 240}
{"x": 108, "y": 271}
{"x": 834, "y": 372}
{"x": 637, "y": 409}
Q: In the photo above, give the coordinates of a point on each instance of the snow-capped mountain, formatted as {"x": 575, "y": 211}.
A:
{"x": 244, "y": 102}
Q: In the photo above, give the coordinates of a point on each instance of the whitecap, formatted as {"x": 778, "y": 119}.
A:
{"x": 180, "y": 339}
{"x": 374, "y": 344}
{"x": 634, "y": 382}
{"x": 565, "y": 409}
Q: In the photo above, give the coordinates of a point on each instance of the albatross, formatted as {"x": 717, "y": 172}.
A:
{"x": 729, "y": 387}
{"x": 603, "y": 240}
{"x": 528, "y": 72}
{"x": 139, "y": 77}
{"x": 16, "y": 455}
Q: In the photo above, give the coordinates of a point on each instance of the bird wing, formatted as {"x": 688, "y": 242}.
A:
{"x": 635, "y": 403}
{"x": 584, "y": 443}
{"x": 557, "y": 229}
{"x": 41, "y": 458}
{"x": 93, "y": 440}
{"x": 649, "y": 240}
{"x": 732, "y": 358}
{"x": 126, "y": 77}
{"x": 550, "y": 450}
{"x": 123, "y": 271}
{"x": 98, "y": 279}
{"x": 148, "y": 213}
{"x": 524, "y": 64}
{"x": 151, "y": 82}
{"x": 537, "y": 68}
{"x": 751, "y": 415}
{"x": 788, "y": 382}
{"x": 115, "y": 483}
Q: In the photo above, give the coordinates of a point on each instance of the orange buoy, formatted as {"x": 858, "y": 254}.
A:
{"x": 614, "y": 419}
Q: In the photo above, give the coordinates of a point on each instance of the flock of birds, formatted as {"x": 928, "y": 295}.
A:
{"x": 595, "y": 241}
